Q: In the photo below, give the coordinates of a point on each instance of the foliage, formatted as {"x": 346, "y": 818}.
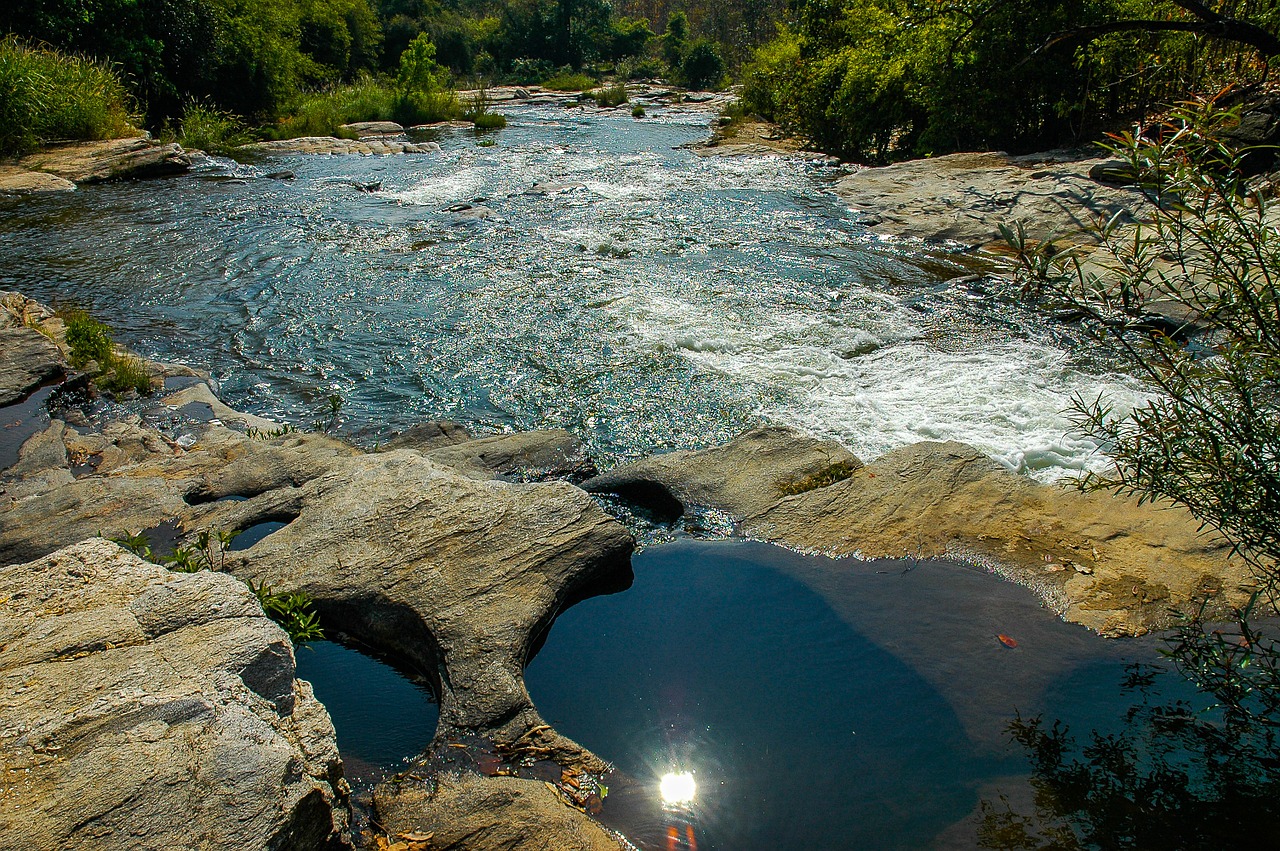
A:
{"x": 88, "y": 339}
{"x": 825, "y": 477}
{"x": 703, "y": 67}
{"x": 322, "y": 113}
{"x": 872, "y": 79}
{"x": 615, "y": 95}
{"x": 637, "y": 111}
{"x": 255, "y": 433}
{"x": 564, "y": 82}
{"x": 1208, "y": 440}
{"x": 212, "y": 130}
{"x": 293, "y": 610}
{"x": 675, "y": 41}
{"x": 423, "y": 94}
{"x": 46, "y": 95}
{"x": 477, "y": 111}
{"x": 1172, "y": 777}
{"x": 126, "y": 373}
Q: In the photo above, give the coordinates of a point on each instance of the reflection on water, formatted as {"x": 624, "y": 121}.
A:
{"x": 804, "y": 726}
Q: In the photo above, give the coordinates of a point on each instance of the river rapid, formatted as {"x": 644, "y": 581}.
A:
{"x": 641, "y": 296}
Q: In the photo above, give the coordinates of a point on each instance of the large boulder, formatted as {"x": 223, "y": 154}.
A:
{"x": 965, "y": 197}
{"x": 1100, "y": 560}
{"x": 145, "y": 709}
{"x": 744, "y": 476}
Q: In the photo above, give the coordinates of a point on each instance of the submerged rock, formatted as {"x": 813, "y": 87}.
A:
{"x": 146, "y": 709}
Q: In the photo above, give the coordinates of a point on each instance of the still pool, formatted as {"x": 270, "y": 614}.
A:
{"x": 816, "y": 703}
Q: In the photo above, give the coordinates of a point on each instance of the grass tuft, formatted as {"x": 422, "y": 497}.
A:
{"x": 569, "y": 83}
{"x": 825, "y": 477}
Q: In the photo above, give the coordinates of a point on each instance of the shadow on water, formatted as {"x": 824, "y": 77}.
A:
{"x": 818, "y": 704}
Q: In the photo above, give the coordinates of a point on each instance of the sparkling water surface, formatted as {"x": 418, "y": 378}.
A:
{"x": 644, "y": 297}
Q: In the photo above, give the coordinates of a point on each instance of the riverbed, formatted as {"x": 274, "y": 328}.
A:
{"x": 621, "y": 287}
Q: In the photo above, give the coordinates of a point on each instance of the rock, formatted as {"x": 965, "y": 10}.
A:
{"x": 110, "y": 159}
{"x": 477, "y": 813}
{"x": 20, "y": 181}
{"x": 28, "y": 360}
{"x": 947, "y": 499}
{"x": 280, "y": 175}
{"x": 524, "y": 456}
{"x": 335, "y": 146}
{"x": 374, "y": 129}
{"x": 201, "y": 394}
{"x": 451, "y": 575}
{"x": 1115, "y": 173}
{"x": 743, "y": 477}
{"x": 465, "y": 212}
{"x": 429, "y": 435}
{"x": 965, "y": 197}
{"x": 142, "y": 709}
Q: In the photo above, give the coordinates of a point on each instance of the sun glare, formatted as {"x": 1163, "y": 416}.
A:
{"x": 678, "y": 788}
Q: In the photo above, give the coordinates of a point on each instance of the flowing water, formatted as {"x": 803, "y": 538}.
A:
{"x": 643, "y": 297}
{"x": 646, "y": 299}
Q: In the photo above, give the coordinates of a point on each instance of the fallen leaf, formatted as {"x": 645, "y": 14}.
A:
{"x": 1006, "y": 640}
{"x": 417, "y": 837}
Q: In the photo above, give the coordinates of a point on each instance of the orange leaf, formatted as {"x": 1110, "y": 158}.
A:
{"x": 1006, "y": 640}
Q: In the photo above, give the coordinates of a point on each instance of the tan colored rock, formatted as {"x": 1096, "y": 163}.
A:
{"x": 1100, "y": 560}
{"x": 144, "y": 709}
{"x": 335, "y": 146}
{"x": 741, "y": 478}
{"x": 488, "y": 814}
{"x": 374, "y": 129}
{"x": 527, "y": 456}
{"x": 964, "y": 197}
{"x": 109, "y": 159}
{"x": 20, "y": 181}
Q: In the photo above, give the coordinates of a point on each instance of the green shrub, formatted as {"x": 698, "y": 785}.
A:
{"x": 88, "y": 339}
{"x": 490, "y": 121}
{"x": 48, "y": 96}
{"x": 477, "y": 112}
{"x": 324, "y": 112}
{"x": 126, "y": 373}
{"x": 611, "y": 95}
{"x": 703, "y": 66}
{"x": 566, "y": 82}
{"x": 637, "y": 111}
{"x": 211, "y": 130}
{"x": 294, "y": 611}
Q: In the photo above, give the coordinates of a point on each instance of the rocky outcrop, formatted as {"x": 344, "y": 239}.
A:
{"x": 109, "y": 159}
{"x": 146, "y": 709}
{"x": 19, "y": 181}
{"x": 741, "y": 478}
{"x": 467, "y": 811}
{"x": 1099, "y": 560}
{"x": 334, "y": 146}
{"x": 29, "y": 358}
{"x": 374, "y": 129}
{"x": 755, "y": 138}
{"x": 964, "y": 197}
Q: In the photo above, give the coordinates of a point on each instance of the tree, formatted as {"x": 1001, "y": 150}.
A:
{"x": 1217, "y": 20}
{"x": 675, "y": 40}
{"x": 703, "y": 67}
{"x": 1208, "y": 440}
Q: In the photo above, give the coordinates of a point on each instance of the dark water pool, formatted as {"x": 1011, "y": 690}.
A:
{"x": 381, "y": 716}
{"x": 818, "y": 704}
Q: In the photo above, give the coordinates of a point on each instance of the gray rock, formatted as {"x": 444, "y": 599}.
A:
{"x": 28, "y": 361}
{"x": 965, "y": 197}
{"x": 524, "y": 456}
{"x": 744, "y": 476}
{"x": 452, "y": 575}
{"x": 109, "y": 159}
{"x": 374, "y": 129}
{"x": 428, "y": 436}
{"x": 144, "y": 709}
{"x": 20, "y": 181}
{"x": 334, "y": 146}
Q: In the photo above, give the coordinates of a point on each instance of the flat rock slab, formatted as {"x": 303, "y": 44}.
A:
{"x": 109, "y": 159}
{"x": 489, "y": 814}
{"x": 744, "y": 476}
{"x": 335, "y": 146}
{"x": 964, "y": 197}
{"x": 374, "y": 129}
{"x": 145, "y": 709}
{"x": 20, "y": 181}
{"x": 1098, "y": 559}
